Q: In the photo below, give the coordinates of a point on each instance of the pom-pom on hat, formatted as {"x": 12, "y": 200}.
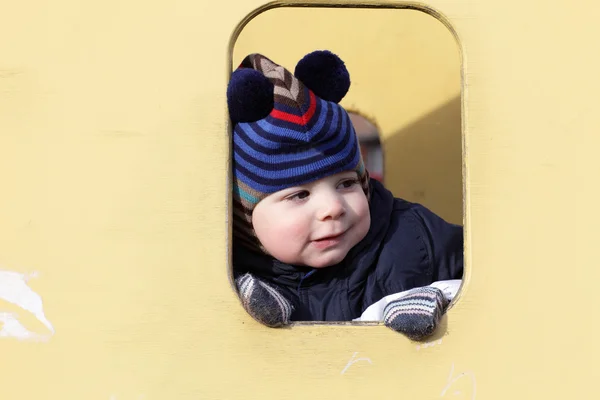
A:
{"x": 288, "y": 130}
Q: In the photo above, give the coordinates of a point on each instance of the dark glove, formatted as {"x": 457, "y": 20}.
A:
{"x": 418, "y": 313}
{"x": 263, "y": 302}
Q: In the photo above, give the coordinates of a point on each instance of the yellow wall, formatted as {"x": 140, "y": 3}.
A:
{"x": 113, "y": 171}
{"x": 405, "y": 72}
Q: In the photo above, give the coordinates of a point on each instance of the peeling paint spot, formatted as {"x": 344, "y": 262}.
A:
{"x": 14, "y": 289}
{"x": 429, "y": 344}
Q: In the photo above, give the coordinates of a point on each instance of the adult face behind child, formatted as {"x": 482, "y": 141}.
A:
{"x": 315, "y": 224}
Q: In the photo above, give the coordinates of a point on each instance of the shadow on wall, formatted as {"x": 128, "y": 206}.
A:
{"x": 423, "y": 161}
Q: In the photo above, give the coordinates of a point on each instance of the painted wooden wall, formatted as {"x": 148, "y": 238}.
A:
{"x": 114, "y": 158}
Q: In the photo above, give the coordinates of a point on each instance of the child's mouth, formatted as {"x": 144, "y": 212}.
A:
{"x": 329, "y": 241}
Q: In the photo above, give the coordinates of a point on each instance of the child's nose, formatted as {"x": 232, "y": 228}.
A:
{"x": 332, "y": 208}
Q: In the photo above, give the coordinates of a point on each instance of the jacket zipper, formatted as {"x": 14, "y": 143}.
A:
{"x": 304, "y": 277}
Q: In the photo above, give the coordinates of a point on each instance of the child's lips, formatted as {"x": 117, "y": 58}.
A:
{"x": 329, "y": 241}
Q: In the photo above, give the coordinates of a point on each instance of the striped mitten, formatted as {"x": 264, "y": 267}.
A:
{"x": 263, "y": 302}
{"x": 416, "y": 314}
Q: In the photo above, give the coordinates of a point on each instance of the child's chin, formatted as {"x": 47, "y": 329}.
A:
{"x": 327, "y": 261}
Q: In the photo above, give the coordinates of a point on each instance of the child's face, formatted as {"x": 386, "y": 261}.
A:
{"x": 314, "y": 224}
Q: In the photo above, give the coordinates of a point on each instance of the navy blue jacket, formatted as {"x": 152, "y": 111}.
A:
{"x": 407, "y": 246}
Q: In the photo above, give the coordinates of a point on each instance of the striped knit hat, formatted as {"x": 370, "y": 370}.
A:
{"x": 288, "y": 130}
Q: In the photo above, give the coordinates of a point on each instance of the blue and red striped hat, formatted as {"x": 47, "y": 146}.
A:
{"x": 288, "y": 130}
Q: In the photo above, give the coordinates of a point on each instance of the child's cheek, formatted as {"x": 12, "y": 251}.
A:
{"x": 364, "y": 217}
{"x": 294, "y": 230}
{"x": 286, "y": 239}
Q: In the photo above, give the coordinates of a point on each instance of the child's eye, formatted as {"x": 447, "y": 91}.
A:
{"x": 298, "y": 195}
{"x": 348, "y": 183}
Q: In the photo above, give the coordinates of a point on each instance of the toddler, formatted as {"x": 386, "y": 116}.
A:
{"x": 314, "y": 239}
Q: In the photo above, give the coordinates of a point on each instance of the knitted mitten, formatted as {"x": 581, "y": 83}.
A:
{"x": 417, "y": 314}
{"x": 263, "y": 302}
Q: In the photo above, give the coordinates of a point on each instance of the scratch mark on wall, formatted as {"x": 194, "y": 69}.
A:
{"x": 355, "y": 360}
{"x": 452, "y": 380}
